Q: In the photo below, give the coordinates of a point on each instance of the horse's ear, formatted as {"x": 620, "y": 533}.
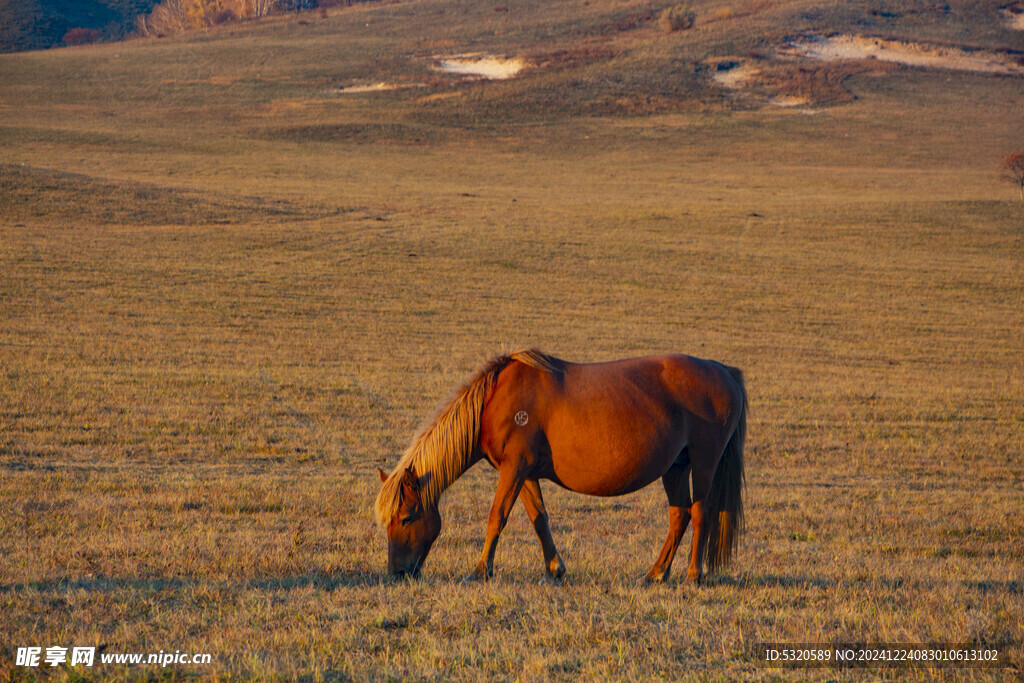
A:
{"x": 411, "y": 506}
{"x": 383, "y": 477}
{"x": 409, "y": 491}
{"x": 409, "y": 478}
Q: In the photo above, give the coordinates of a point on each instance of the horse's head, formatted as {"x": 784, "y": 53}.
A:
{"x": 413, "y": 529}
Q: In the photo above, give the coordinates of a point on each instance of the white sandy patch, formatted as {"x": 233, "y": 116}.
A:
{"x": 794, "y": 103}
{"x": 735, "y": 76}
{"x": 492, "y": 68}
{"x": 438, "y": 96}
{"x": 1014, "y": 20}
{"x": 902, "y": 52}
{"x": 789, "y": 101}
{"x": 377, "y": 87}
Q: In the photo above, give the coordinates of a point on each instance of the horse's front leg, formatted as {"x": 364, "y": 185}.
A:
{"x": 511, "y": 476}
{"x": 554, "y": 568}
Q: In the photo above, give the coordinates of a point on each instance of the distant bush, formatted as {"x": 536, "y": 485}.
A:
{"x": 177, "y": 16}
{"x": 295, "y": 5}
{"x": 1013, "y": 170}
{"x": 678, "y": 18}
{"x": 223, "y": 16}
{"x": 82, "y": 36}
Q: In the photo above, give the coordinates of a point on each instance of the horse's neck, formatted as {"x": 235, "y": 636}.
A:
{"x": 444, "y": 475}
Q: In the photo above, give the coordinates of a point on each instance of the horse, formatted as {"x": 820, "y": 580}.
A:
{"x": 602, "y": 429}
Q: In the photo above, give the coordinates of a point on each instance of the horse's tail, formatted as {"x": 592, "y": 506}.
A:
{"x": 723, "y": 519}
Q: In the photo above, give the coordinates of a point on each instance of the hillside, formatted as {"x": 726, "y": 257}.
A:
{"x": 240, "y": 266}
{"x": 40, "y": 24}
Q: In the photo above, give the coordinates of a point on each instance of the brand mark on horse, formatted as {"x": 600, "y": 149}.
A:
{"x": 522, "y": 418}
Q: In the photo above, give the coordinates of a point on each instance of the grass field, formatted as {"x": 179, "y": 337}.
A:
{"x": 228, "y": 292}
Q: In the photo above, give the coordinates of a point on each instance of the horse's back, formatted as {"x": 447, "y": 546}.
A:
{"x": 614, "y": 427}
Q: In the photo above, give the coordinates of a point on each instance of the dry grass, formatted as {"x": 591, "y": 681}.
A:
{"x": 820, "y": 84}
{"x": 224, "y": 303}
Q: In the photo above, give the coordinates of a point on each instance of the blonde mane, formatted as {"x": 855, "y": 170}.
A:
{"x": 444, "y": 448}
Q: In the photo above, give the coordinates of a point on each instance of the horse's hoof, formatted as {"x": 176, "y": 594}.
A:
{"x": 651, "y": 580}
{"x": 478, "y": 577}
{"x": 553, "y": 579}
{"x": 558, "y": 571}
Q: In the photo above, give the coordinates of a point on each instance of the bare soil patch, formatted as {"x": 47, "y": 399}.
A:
{"x": 734, "y": 75}
{"x": 849, "y": 47}
{"x": 816, "y": 68}
{"x": 380, "y": 86}
{"x": 1014, "y": 17}
{"x": 487, "y": 67}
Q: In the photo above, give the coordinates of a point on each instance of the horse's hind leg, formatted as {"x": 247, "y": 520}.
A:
{"x": 703, "y": 473}
{"x": 554, "y": 568}
{"x": 678, "y": 491}
{"x": 695, "y": 573}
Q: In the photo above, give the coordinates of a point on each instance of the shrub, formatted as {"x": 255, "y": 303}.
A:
{"x": 223, "y": 16}
{"x": 82, "y": 36}
{"x": 295, "y": 5}
{"x": 1013, "y": 170}
{"x": 678, "y": 18}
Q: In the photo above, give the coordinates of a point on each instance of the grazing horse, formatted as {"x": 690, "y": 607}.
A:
{"x": 604, "y": 429}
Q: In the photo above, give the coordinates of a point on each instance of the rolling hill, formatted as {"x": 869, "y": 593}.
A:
{"x": 238, "y": 266}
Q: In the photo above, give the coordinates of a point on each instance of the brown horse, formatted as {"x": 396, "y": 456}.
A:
{"x": 604, "y": 429}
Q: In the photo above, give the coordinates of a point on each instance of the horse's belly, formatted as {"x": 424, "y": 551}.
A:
{"x": 604, "y": 467}
{"x": 613, "y": 429}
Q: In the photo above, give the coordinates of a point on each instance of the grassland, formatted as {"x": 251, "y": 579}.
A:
{"x": 227, "y": 292}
